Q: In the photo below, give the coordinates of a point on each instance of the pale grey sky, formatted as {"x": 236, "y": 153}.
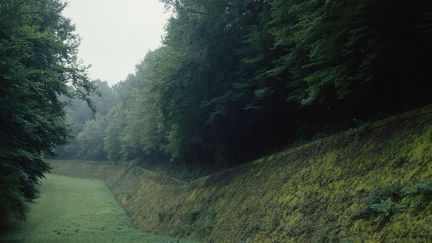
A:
{"x": 116, "y": 34}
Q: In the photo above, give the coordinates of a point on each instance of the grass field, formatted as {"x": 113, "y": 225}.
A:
{"x": 77, "y": 210}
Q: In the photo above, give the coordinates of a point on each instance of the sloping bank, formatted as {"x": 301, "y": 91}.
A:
{"x": 370, "y": 183}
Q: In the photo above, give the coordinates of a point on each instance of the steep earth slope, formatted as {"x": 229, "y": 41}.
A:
{"x": 370, "y": 183}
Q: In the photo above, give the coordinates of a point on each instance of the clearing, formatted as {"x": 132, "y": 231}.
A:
{"x": 77, "y": 210}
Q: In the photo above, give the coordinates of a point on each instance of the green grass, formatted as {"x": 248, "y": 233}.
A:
{"x": 77, "y": 210}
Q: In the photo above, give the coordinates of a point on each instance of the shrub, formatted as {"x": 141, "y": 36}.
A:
{"x": 385, "y": 202}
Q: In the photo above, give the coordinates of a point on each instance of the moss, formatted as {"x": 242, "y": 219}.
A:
{"x": 305, "y": 194}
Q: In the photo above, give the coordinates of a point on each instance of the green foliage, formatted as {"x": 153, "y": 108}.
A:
{"x": 339, "y": 51}
{"x": 87, "y": 127}
{"x": 89, "y": 139}
{"x": 235, "y": 79}
{"x": 38, "y": 66}
{"x": 112, "y": 140}
{"x": 384, "y": 203}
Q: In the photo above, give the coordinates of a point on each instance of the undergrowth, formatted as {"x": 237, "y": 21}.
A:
{"x": 385, "y": 202}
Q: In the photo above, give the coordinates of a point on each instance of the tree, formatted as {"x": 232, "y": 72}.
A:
{"x": 236, "y": 79}
{"x": 38, "y": 50}
{"x": 78, "y": 114}
{"x": 90, "y": 139}
{"x": 353, "y": 59}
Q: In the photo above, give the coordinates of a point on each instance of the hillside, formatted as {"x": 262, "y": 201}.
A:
{"x": 371, "y": 183}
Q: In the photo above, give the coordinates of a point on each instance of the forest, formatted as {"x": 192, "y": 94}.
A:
{"x": 233, "y": 80}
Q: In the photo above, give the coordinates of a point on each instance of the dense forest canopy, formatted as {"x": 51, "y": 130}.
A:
{"x": 235, "y": 79}
{"x": 38, "y": 66}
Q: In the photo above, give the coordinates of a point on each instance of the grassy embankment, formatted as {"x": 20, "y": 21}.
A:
{"x": 371, "y": 183}
{"x": 77, "y": 210}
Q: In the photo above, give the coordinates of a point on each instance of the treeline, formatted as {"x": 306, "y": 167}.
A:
{"x": 86, "y": 124}
{"x": 38, "y": 65}
{"x": 238, "y": 78}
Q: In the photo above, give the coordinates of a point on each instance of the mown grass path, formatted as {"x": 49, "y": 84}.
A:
{"x": 77, "y": 210}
